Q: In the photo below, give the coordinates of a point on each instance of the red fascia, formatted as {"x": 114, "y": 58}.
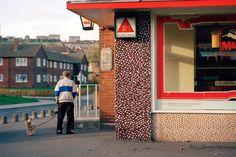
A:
{"x": 151, "y": 4}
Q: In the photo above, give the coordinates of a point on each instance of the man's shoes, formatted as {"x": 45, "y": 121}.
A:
{"x": 70, "y": 132}
{"x": 59, "y": 132}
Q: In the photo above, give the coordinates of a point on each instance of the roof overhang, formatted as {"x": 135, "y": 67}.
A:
{"x": 102, "y": 12}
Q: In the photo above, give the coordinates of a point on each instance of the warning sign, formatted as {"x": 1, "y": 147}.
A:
{"x": 125, "y": 27}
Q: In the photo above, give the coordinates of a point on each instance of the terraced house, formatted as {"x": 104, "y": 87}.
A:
{"x": 31, "y": 66}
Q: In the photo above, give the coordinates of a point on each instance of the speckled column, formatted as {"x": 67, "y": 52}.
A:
{"x": 133, "y": 82}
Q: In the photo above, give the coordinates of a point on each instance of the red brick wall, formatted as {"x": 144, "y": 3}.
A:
{"x": 4, "y": 70}
{"x": 29, "y": 70}
{"x": 107, "y": 81}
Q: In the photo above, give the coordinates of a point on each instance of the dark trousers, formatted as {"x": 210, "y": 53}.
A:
{"x": 63, "y": 108}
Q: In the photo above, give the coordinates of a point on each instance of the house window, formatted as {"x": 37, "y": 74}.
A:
{"x": 61, "y": 65}
{"x": 38, "y": 78}
{"x": 55, "y": 78}
{"x": 85, "y": 67}
{"x": 1, "y": 77}
{"x": 21, "y": 61}
{"x": 64, "y": 65}
{"x": 55, "y": 65}
{"x": 21, "y": 78}
{"x": 50, "y": 64}
{"x": 1, "y": 61}
{"x": 44, "y": 62}
{"x": 82, "y": 66}
{"x": 44, "y": 78}
{"x": 50, "y": 78}
{"x": 38, "y": 62}
{"x": 71, "y": 66}
{"x": 68, "y": 66}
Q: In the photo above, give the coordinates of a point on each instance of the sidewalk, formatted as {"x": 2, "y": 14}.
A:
{"x": 41, "y": 102}
{"x": 45, "y": 143}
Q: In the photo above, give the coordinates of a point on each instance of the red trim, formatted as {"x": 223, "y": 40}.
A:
{"x": 151, "y": 4}
{"x": 161, "y": 94}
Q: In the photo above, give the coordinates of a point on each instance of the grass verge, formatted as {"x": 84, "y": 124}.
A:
{"x": 6, "y": 100}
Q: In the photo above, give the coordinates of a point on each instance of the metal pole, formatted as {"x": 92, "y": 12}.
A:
{"x": 87, "y": 101}
{"x": 96, "y": 100}
{"x": 79, "y": 100}
{"x": 76, "y": 106}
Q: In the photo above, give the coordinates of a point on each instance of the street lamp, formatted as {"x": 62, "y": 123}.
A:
{"x": 86, "y": 23}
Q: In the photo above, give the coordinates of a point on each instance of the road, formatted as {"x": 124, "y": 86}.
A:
{"x": 38, "y": 109}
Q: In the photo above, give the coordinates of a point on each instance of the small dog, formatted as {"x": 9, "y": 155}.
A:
{"x": 30, "y": 127}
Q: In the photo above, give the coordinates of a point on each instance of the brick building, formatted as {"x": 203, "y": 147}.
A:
{"x": 30, "y": 66}
{"x": 174, "y": 67}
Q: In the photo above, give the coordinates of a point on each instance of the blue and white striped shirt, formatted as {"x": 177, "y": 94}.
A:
{"x": 65, "y": 90}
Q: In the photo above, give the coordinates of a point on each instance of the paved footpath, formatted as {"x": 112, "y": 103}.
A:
{"x": 39, "y": 103}
{"x": 45, "y": 143}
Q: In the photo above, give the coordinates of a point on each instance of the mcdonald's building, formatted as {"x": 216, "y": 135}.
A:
{"x": 167, "y": 67}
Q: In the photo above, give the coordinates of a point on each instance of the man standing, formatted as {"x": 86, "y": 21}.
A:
{"x": 65, "y": 92}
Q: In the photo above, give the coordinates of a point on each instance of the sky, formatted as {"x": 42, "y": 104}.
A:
{"x": 41, "y": 17}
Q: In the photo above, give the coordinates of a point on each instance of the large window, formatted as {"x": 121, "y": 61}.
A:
{"x": 197, "y": 66}
{"x": 21, "y": 78}
{"x": 1, "y": 77}
{"x": 21, "y": 61}
{"x": 179, "y": 59}
{"x": 215, "y": 64}
{"x": 196, "y": 60}
{"x": 1, "y": 61}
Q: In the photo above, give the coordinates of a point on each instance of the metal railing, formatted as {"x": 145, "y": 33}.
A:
{"x": 86, "y": 103}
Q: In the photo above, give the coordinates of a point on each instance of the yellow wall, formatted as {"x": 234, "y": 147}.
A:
{"x": 179, "y": 59}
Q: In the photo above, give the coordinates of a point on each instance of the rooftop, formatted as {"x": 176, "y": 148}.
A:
{"x": 23, "y": 51}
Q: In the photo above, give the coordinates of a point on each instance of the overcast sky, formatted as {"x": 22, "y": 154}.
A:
{"x": 41, "y": 17}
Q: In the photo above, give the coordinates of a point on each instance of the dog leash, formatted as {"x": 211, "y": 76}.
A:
{"x": 47, "y": 120}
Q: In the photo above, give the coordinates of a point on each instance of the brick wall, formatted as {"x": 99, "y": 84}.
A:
{"x": 5, "y": 72}
{"x": 13, "y": 70}
{"x": 107, "y": 81}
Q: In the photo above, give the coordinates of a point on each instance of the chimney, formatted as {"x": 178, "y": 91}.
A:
{"x": 16, "y": 44}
